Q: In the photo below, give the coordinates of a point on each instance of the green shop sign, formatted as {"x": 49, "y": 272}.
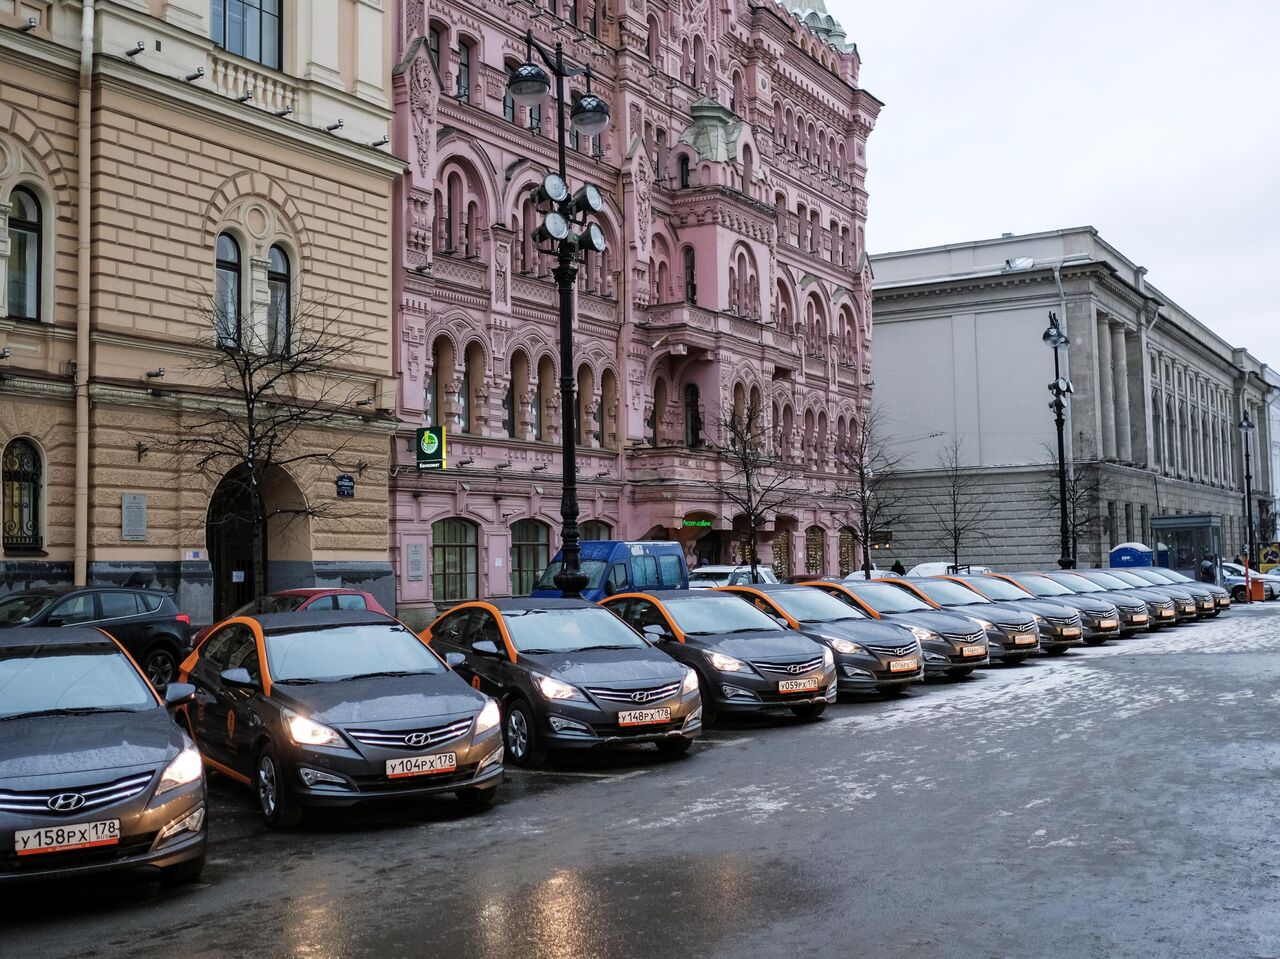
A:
{"x": 697, "y": 524}
{"x": 432, "y": 448}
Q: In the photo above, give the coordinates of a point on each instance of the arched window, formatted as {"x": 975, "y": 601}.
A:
{"x": 545, "y": 391}
{"x": 815, "y": 550}
{"x": 226, "y": 292}
{"x": 582, "y": 427}
{"x": 464, "y": 71}
{"x": 472, "y": 377}
{"x": 690, "y": 276}
{"x": 513, "y": 400}
{"x": 434, "y": 37}
{"x": 454, "y": 560}
{"x": 529, "y": 554}
{"x": 249, "y": 29}
{"x": 438, "y": 379}
{"x": 23, "y": 483}
{"x": 748, "y": 169}
{"x": 683, "y": 167}
{"x": 847, "y": 542}
{"x": 595, "y": 529}
{"x": 26, "y": 237}
{"x": 658, "y": 412}
{"x": 280, "y": 310}
{"x": 508, "y": 101}
{"x": 652, "y": 43}
{"x": 692, "y": 417}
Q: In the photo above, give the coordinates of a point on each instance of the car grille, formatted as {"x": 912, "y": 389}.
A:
{"x": 788, "y": 669}
{"x": 92, "y": 797}
{"x": 892, "y": 650}
{"x": 979, "y": 636}
{"x": 651, "y": 694}
{"x": 1064, "y": 620}
{"x": 410, "y": 738}
{"x": 1028, "y": 627}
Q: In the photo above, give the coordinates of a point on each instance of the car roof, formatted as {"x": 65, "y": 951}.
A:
{"x": 43, "y": 591}
{"x": 54, "y": 636}
{"x": 771, "y": 587}
{"x": 323, "y": 619}
{"x": 664, "y": 594}
{"x": 313, "y": 591}
{"x": 529, "y": 602}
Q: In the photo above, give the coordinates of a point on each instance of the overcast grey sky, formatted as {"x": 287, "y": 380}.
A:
{"x": 1156, "y": 121}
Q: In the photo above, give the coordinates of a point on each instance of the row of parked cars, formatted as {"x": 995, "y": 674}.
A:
{"x": 328, "y": 703}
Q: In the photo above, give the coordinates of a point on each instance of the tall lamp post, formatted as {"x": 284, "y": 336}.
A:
{"x": 1246, "y": 437}
{"x": 528, "y": 85}
{"x": 1055, "y": 338}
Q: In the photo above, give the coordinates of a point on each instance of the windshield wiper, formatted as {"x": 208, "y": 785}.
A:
{"x": 540, "y": 652}
{"x": 299, "y": 681}
{"x": 70, "y": 711}
{"x": 391, "y": 672}
{"x": 584, "y": 648}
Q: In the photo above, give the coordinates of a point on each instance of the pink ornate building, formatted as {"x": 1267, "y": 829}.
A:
{"x": 736, "y": 272}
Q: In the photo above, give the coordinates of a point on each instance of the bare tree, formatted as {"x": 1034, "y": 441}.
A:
{"x": 757, "y": 478}
{"x": 1085, "y": 493}
{"x": 961, "y": 513}
{"x": 262, "y": 388}
{"x": 867, "y": 469}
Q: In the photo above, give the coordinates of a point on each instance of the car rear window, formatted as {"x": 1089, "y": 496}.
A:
{"x": 670, "y": 571}
{"x": 350, "y": 601}
{"x": 115, "y": 604}
{"x": 644, "y": 572}
{"x": 55, "y": 677}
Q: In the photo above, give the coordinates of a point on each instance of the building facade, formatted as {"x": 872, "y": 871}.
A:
{"x": 176, "y": 180}
{"x": 1152, "y": 424}
{"x": 735, "y": 273}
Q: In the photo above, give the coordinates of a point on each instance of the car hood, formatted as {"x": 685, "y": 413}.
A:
{"x": 862, "y": 631}
{"x": 766, "y": 644}
{"x": 937, "y": 620}
{"x": 1000, "y": 615}
{"x": 642, "y": 665}
{"x": 1043, "y": 607}
{"x": 382, "y": 698}
{"x": 1085, "y": 603}
{"x": 69, "y": 747}
{"x": 1130, "y": 598}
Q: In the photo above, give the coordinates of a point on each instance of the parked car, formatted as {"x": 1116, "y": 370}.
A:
{"x": 1061, "y": 627}
{"x": 613, "y": 566}
{"x": 1011, "y": 636}
{"x": 942, "y": 569}
{"x": 707, "y": 577}
{"x": 1270, "y": 582}
{"x": 869, "y": 655}
{"x": 1138, "y": 610}
{"x": 337, "y": 709}
{"x": 95, "y": 775}
{"x": 1221, "y": 597}
{"x": 1099, "y": 619}
{"x": 316, "y": 600}
{"x": 1203, "y": 604}
{"x": 569, "y": 675}
{"x": 145, "y": 621}
{"x": 745, "y": 662}
{"x": 953, "y": 645}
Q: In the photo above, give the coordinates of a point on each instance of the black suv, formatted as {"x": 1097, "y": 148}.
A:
{"x": 144, "y": 621}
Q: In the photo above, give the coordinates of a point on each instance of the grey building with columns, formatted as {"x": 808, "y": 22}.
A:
{"x": 1152, "y": 424}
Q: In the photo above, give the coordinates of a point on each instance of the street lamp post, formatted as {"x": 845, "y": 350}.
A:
{"x": 1056, "y": 338}
{"x": 528, "y": 84}
{"x": 1246, "y": 430}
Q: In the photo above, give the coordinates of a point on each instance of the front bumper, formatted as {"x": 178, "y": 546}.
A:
{"x": 752, "y": 693}
{"x": 861, "y": 673}
{"x": 1135, "y": 621}
{"x": 576, "y": 726}
{"x": 939, "y": 662}
{"x": 1061, "y": 637}
{"x": 1001, "y": 645}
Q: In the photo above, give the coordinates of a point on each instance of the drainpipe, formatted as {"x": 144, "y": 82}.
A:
{"x": 84, "y": 202}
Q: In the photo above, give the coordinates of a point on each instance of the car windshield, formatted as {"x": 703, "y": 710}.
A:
{"x": 994, "y": 588}
{"x": 594, "y": 568}
{"x": 1149, "y": 577}
{"x": 51, "y": 679}
{"x": 810, "y": 605}
{"x": 950, "y": 594}
{"x": 277, "y": 603}
{"x": 1129, "y": 579}
{"x": 1078, "y": 583}
{"x": 884, "y": 598}
{"x": 717, "y": 613}
{"x": 1108, "y": 581}
{"x": 1044, "y": 586}
{"x": 1172, "y": 575}
{"x": 347, "y": 652}
{"x": 569, "y": 630}
{"x": 23, "y": 607}
{"x": 701, "y": 577}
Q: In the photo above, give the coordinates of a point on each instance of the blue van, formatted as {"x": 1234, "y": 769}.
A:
{"x": 617, "y": 567}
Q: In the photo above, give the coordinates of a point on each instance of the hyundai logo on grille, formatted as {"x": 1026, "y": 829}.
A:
{"x": 416, "y": 739}
{"x": 65, "y": 802}
{"x": 904, "y": 650}
{"x": 640, "y": 696}
{"x": 798, "y": 668}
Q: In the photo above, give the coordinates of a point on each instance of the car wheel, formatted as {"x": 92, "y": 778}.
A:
{"x": 274, "y": 802}
{"x": 809, "y": 711}
{"x": 161, "y": 666}
{"x": 183, "y": 873}
{"x": 1237, "y": 594}
{"x": 674, "y": 745}
{"x": 960, "y": 672}
{"x": 520, "y": 735}
{"x": 476, "y": 798}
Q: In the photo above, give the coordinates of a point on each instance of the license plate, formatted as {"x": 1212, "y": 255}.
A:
{"x": 1140, "y": 618}
{"x": 422, "y": 765}
{"x": 1166, "y": 613}
{"x": 1071, "y": 631}
{"x": 1107, "y": 624}
{"x": 799, "y": 685}
{"x": 904, "y": 665}
{"x": 973, "y": 651}
{"x": 1022, "y": 639}
{"x": 80, "y": 835}
{"x": 642, "y": 717}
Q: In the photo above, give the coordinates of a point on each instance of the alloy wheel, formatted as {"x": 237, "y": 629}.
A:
{"x": 517, "y": 734}
{"x": 267, "y": 785}
{"x": 160, "y": 669}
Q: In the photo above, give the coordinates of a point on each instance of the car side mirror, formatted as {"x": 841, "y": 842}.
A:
{"x": 53, "y": 621}
{"x": 454, "y": 659}
{"x": 656, "y": 633}
{"x": 239, "y": 678}
{"x": 178, "y": 694}
{"x": 486, "y": 647}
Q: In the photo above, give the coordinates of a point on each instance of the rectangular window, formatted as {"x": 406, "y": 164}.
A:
{"x": 535, "y": 119}
{"x": 464, "y": 73}
{"x": 248, "y": 28}
{"x": 669, "y": 569}
{"x": 644, "y": 572}
{"x": 433, "y": 46}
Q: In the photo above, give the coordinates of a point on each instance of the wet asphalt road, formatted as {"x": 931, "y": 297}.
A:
{"x": 1116, "y": 802}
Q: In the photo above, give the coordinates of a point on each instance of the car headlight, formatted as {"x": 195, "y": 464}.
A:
{"x": 690, "y": 682}
{"x": 846, "y": 647}
{"x": 923, "y": 635}
{"x": 727, "y": 664}
{"x": 1038, "y": 618}
{"x": 828, "y": 657}
{"x": 308, "y": 732}
{"x": 554, "y": 689}
{"x": 489, "y": 717}
{"x": 982, "y": 622}
{"x": 186, "y": 767}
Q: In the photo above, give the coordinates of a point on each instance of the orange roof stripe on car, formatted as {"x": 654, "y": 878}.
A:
{"x": 896, "y": 581}
{"x": 759, "y": 598}
{"x": 965, "y": 583}
{"x": 676, "y": 631}
{"x": 845, "y": 593}
{"x": 425, "y": 635}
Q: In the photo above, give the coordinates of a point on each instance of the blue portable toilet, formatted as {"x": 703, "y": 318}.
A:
{"x": 1129, "y": 555}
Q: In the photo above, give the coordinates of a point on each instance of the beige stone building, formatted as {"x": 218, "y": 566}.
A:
{"x": 174, "y": 176}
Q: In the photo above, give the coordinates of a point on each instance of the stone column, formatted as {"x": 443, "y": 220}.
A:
{"x": 1106, "y": 402}
{"x": 1120, "y": 367}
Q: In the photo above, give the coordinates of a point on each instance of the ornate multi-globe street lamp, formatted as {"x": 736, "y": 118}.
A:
{"x": 1056, "y": 338}
{"x": 564, "y": 210}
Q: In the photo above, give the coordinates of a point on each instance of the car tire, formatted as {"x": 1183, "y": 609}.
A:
{"x": 520, "y": 735}
{"x": 161, "y": 666}
{"x": 476, "y": 797}
{"x": 183, "y": 873}
{"x": 674, "y": 745}
{"x": 809, "y": 711}
{"x": 274, "y": 801}
{"x": 960, "y": 672}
